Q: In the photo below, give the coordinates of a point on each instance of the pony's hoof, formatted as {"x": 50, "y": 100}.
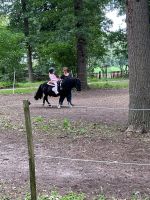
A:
{"x": 70, "y": 106}
{"x": 49, "y": 105}
{"x": 59, "y": 106}
{"x": 43, "y": 104}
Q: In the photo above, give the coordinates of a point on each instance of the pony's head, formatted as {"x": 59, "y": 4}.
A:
{"x": 78, "y": 84}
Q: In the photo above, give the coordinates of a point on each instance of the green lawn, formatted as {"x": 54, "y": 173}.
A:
{"x": 94, "y": 79}
{"x": 28, "y": 87}
{"x": 29, "y": 84}
{"x": 18, "y": 91}
{"x": 20, "y": 88}
{"x": 20, "y": 85}
{"x": 120, "y": 84}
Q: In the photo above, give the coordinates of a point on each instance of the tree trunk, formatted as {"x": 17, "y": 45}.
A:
{"x": 29, "y": 60}
{"x": 26, "y": 33}
{"x": 81, "y": 43}
{"x": 139, "y": 64}
{"x": 81, "y": 61}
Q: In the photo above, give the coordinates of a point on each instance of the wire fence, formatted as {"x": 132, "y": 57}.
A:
{"x": 86, "y": 108}
{"x": 108, "y": 115}
{"x": 109, "y": 75}
{"x": 81, "y": 112}
{"x": 107, "y": 162}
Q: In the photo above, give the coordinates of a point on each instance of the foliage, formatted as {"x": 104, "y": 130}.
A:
{"x": 118, "y": 4}
{"x": 119, "y": 41}
{"x": 11, "y": 52}
{"x": 52, "y": 33}
{"x": 62, "y": 53}
{"x": 52, "y": 29}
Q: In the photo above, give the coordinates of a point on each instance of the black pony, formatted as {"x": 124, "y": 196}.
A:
{"x": 64, "y": 91}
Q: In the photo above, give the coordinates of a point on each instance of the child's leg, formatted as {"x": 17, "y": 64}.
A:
{"x": 50, "y": 83}
{"x": 54, "y": 89}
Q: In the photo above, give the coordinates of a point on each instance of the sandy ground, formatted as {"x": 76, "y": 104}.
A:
{"x": 92, "y": 178}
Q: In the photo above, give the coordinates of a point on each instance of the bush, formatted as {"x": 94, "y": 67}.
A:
{"x": 5, "y": 85}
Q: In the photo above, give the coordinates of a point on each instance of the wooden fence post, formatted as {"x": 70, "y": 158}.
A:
{"x": 30, "y": 149}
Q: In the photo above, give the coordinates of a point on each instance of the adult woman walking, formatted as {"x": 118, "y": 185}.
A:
{"x": 66, "y": 75}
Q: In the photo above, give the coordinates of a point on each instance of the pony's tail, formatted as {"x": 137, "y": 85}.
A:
{"x": 39, "y": 93}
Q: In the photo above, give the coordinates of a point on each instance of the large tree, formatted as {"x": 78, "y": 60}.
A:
{"x": 20, "y": 15}
{"x": 25, "y": 15}
{"x": 75, "y": 26}
{"x": 89, "y": 29}
{"x": 81, "y": 44}
{"x": 138, "y": 31}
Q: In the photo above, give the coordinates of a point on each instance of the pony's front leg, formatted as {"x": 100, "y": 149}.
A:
{"x": 46, "y": 98}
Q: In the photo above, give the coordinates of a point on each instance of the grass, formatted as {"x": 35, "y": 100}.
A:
{"x": 109, "y": 85}
{"x": 29, "y": 84}
{"x": 72, "y": 196}
{"x": 72, "y": 128}
{"x": 20, "y": 88}
{"x": 18, "y": 91}
{"x": 115, "y": 83}
{"x": 94, "y": 79}
{"x": 8, "y": 124}
{"x": 20, "y": 85}
{"x": 5, "y": 84}
{"x": 62, "y": 127}
{"x": 28, "y": 87}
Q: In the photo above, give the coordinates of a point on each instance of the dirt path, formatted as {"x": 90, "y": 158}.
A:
{"x": 93, "y": 105}
{"x": 92, "y": 178}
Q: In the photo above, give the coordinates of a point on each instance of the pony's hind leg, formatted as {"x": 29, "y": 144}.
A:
{"x": 44, "y": 100}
